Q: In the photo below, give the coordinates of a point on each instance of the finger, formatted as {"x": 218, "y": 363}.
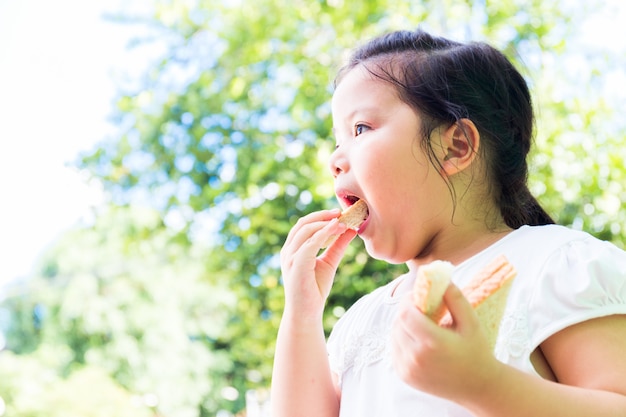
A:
{"x": 295, "y": 241}
{"x": 412, "y": 321}
{"x": 334, "y": 253}
{"x": 461, "y": 311}
{"x": 305, "y": 230}
{"x": 315, "y": 235}
{"x": 318, "y": 238}
{"x": 307, "y": 243}
{"x": 322, "y": 215}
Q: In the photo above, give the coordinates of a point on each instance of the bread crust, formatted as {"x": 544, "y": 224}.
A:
{"x": 430, "y": 284}
{"x": 353, "y": 217}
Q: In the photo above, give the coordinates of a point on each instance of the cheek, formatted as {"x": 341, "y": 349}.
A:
{"x": 379, "y": 178}
{"x": 380, "y": 159}
{"x": 395, "y": 197}
{"x": 392, "y": 173}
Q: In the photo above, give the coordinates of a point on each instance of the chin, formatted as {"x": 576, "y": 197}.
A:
{"x": 385, "y": 255}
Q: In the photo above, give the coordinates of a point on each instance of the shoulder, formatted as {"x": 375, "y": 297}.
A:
{"x": 554, "y": 247}
{"x": 564, "y": 277}
{"x": 560, "y": 261}
{"x": 567, "y": 277}
{"x": 550, "y": 235}
{"x": 558, "y": 248}
{"x": 537, "y": 250}
{"x": 577, "y": 312}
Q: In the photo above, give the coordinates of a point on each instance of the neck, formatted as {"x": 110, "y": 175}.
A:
{"x": 456, "y": 244}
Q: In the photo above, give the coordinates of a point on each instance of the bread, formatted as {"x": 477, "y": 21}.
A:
{"x": 353, "y": 217}
{"x": 487, "y": 292}
{"x": 430, "y": 285}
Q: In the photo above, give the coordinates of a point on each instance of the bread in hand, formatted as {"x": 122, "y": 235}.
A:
{"x": 353, "y": 217}
{"x": 487, "y": 292}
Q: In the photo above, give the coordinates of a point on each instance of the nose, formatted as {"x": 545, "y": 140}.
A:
{"x": 338, "y": 162}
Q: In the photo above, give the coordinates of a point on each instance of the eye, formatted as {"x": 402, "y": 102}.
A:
{"x": 360, "y": 128}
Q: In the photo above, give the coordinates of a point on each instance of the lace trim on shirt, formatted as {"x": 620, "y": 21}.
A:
{"x": 361, "y": 350}
{"x": 513, "y": 339}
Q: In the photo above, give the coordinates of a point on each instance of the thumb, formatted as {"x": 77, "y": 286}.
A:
{"x": 462, "y": 315}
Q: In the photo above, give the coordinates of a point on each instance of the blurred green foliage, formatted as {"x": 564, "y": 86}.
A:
{"x": 172, "y": 297}
{"x": 30, "y": 387}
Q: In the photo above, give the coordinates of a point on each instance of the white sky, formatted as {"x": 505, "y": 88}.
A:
{"x": 56, "y": 92}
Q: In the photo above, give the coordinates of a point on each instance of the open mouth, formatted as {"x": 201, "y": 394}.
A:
{"x": 351, "y": 199}
{"x": 348, "y": 201}
{"x": 354, "y": 201}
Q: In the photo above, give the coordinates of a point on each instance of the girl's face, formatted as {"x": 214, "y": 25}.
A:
{"x": 379, "y": 159}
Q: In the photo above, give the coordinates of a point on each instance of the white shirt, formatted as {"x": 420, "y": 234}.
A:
{"x": 564, "y": 277}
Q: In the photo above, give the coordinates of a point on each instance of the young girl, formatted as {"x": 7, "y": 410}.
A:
{"x": 433, "y": 135}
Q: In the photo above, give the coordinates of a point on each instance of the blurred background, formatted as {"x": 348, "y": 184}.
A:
{"x": 156, "y": 153}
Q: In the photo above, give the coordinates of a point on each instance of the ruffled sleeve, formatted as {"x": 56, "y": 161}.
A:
{"x": 581, "y": 280}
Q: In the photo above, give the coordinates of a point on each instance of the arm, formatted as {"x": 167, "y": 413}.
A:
{"x": 588, "y": 359}
{"x": 302, "y": 383}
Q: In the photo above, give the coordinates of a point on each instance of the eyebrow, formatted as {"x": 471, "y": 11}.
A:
{"x": 364, "y": 109}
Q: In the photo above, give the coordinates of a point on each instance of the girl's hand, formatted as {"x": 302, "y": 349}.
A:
{"x": 308, "y": 277}
{"x": 454, "y": 363}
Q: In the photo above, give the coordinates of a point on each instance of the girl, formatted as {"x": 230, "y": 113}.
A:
{"x": 433, "y": 135}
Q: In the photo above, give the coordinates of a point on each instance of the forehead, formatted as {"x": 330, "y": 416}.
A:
{"x": 358, "y": 87}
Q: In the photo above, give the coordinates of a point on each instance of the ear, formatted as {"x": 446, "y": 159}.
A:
{"x": 460, "y": 143}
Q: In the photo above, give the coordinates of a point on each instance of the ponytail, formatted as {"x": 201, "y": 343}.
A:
{"x": 519, "y": 207}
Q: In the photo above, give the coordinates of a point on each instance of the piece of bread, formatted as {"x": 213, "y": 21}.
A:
{"x": 353, "y": 217}
{"x": 487, "y": 292}
{"x": 430, "y": 285}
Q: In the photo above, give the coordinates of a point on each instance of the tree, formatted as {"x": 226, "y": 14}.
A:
{"x": 124, "y": 298}
{"x": 226, "y": 138}
{"x": 89, "y": 392}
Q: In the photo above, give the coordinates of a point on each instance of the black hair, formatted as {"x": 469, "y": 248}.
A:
{"x": 446, "y": 81}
